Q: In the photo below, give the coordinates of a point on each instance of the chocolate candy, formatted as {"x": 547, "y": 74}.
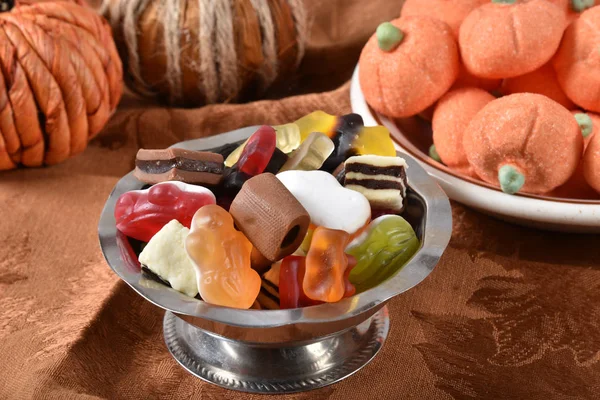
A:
{"x": 199, "y": 167}
{"x": 270, "y": 216}
{"x": 381, "y": 179}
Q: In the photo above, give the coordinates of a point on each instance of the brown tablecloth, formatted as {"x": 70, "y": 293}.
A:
{"x": 509, "y": 313}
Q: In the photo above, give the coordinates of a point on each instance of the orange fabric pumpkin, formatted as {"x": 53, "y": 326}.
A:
{"x": 59, "y": 63}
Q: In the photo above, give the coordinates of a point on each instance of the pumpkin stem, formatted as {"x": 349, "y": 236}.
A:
{"x": 434, "y": 154}
{"x": 581, "y": 5}
{"x": 510, "y": 178}
{"x": 6, "y": 5}
{"x": 585, "y": 124}
{"x": 504, "y": 1}
{"x": 388, "y": 36}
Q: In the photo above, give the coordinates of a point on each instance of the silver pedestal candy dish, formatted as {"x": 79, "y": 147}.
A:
{"x": 281, "y": 351}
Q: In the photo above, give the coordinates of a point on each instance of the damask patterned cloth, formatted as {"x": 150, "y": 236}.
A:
{"x": 508, "y": 313}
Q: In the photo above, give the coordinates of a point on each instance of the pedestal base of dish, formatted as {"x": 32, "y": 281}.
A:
{"x": 275, "y": 368}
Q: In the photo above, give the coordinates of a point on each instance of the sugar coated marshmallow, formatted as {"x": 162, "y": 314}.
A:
{"x": 524, "y": 142}
{"x": 506, "y": 38}
{"x": 541, "y": 81}
{"x": 403, "y": 80}
{"x": 578, "y": 60}
{"x": 450, "y": 119}
{"x": 452, "y": 12}
{"x": 328, "y": 203}
{"x": 165, "y": 256}
{"x": 577, "y": 187}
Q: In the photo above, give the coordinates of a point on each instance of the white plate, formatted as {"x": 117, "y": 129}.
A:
{"x": 564, "y": 215}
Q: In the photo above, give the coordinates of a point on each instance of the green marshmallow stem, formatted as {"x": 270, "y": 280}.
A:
{"x": 585, "y": 124}
{"x": 434, "y": 154}
{"x": 388, "y": 36}
{"x": 504, "y": 1}
{"x": 511, "y": 179}
{"x": 581, "y": 5}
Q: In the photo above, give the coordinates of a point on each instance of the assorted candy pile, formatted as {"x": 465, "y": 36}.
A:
{"x": 283, "y": 220}
{"x": 510, "y": 86}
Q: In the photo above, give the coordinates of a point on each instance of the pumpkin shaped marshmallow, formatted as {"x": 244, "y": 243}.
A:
{"x": 541, "y": 81}
{"x": 467, "y": 79}
{"x": 574, "y": 8}
{"x": 524, "y": 142}
{"x": 506, "y": 38}
{"x": 451, "y": 117}
{"x": 407, "y": 65}
{"x": 591, "y": 163}
{"x": 577, "y": 62}
{"x": 452, "y": 12}
{"x": 577, "y": 187}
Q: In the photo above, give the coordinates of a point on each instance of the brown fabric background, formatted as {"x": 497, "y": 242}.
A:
{"x": 509, "y": 313}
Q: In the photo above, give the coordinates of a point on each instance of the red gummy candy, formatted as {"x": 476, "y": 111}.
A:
{"x": 258, "y": 151}
{"x": 140, "y": 214}
{"x": 291, "y": 276}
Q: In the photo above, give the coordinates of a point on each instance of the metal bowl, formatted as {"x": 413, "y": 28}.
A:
{"x": 281, "y": 351}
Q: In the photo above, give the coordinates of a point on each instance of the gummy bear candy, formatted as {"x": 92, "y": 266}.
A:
{"x": 311, "y": 154}
{"x": 381, "y": 251}
{"x": 140, "y": 214}
{"x": 291, "y": 276}
{"x": 258, "y": 151}
{"x": 326, "y": 265}
{"x": 221, "y": 255}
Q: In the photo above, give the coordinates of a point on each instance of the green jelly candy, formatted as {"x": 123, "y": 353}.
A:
{"x": 388, "y": 36}
{"x": 434, "y": 154}
{"x": 511, "y": 180}
{"x": 581, "y": 5}
{"x": 381, "y": 251}
{"x": 585, "y": 124}
{"x": 504, "y": 1}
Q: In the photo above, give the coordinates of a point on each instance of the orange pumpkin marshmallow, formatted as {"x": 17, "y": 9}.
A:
{"x": 577, "y": 187}
{"x": 577, "y": 62}
{"x": 591, "y": 163}
{"x": 573, "y": 8}
{"x": 466, "y": 79}
{"x": 407, "y": 65}
{"x": 452, "y": 12}
{"x": 506, "y": 38}
{"x": 541, "y": 81}
{"x": 524, "y": 142}
{"x": 451, "y": 117}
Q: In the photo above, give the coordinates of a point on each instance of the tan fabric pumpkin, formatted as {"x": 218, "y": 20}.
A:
{"x": 62, "y": 79}
{"x": 192, "y": 53}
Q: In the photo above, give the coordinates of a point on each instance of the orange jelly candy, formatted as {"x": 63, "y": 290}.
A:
{"x": 221, "y": 255}
{"x": 326, "y": 265}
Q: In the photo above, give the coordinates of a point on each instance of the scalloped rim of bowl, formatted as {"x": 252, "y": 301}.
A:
{"x": 436, "y": 236}
{"x": 558, "y": 214}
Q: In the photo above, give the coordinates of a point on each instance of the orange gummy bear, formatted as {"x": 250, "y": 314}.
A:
{"x": 326, "y": 265}
{"x": 221, "y": 255}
